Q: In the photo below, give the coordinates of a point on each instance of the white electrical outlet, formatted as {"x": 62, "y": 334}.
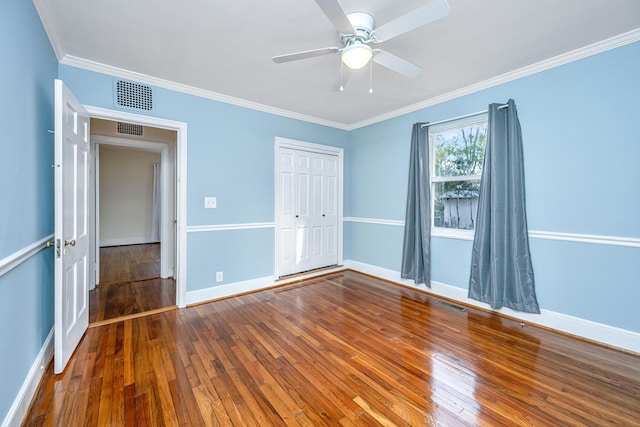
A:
{"x": 219, "y": 276}
{"x": 210, "y": 202}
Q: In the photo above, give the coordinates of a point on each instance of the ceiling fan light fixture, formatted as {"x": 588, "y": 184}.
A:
{"x": 357, "y": 55}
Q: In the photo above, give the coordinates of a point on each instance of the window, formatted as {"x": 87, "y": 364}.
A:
{"x": 457, "y": 157}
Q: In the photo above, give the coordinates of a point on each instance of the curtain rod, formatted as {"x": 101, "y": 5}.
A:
{"x": 500, "y": 107}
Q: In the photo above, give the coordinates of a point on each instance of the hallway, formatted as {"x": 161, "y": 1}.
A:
{"x": 130, "y": 283}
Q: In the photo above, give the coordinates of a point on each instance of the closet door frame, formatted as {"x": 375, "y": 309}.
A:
{"x": 290, "y": 144}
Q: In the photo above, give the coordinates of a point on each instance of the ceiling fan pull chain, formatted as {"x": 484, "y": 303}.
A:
{"x": 370, "y": 76}
{"x": 341, "y": 68}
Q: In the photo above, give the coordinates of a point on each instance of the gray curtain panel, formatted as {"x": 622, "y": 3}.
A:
{"x": 501, "y": 270}
{"x": 416, "y": 263}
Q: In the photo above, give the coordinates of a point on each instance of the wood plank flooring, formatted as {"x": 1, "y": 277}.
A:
{"x": 130, "y": 283}
{"x": 113, "y": 301}
{"x": 344, "y": 349}
{"x": 130, "y": 263}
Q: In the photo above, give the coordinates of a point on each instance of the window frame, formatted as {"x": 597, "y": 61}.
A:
{"x": 452, "y": 233}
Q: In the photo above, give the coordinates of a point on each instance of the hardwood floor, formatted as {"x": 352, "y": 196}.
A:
{"x": 344, "y": 349}
{"x": 130, "y": 263}
{"x": 130, "y": 283}
{"x": 113, "y": 301}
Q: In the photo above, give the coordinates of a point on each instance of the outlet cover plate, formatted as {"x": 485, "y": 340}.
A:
{"x": 210, "y": 202}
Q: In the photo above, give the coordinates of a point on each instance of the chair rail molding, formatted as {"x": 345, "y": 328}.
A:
{"x": 597, "y": 239}
{"x": 10, "y": 262}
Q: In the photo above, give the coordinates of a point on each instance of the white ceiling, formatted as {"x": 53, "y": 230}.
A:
{"x": 226, "y": 47}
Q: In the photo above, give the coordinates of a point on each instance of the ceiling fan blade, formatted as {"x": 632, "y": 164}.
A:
{"x": 430, "y": 12}
{"x": 342, "y": 78}
{"x": 304, "y": 54}
{"x": 336, "y": 15}
{"x": 394, "y": 63}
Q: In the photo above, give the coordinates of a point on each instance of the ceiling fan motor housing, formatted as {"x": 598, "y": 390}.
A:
{"x": 364, "y": 24}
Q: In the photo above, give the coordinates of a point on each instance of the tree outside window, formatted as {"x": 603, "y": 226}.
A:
{"x": 457, "y": 153}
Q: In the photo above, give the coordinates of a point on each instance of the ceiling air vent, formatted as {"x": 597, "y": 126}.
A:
{"x": 130, "y": 129}
{"x": 134, "y": 95}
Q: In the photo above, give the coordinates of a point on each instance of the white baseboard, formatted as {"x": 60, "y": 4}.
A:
{"x": 20, "y": 405}
{"x": 126, "y": 241}
{"x": 609, "y": 335}
{"x": 237, "y": 288}
{"x": 230, "y": 289}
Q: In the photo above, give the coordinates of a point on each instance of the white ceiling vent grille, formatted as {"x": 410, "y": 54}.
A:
{"x": 134, "y": 95}
{"x": 130, "y": 129}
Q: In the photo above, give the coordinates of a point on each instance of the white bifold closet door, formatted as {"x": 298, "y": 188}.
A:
{"x": 308, "y": 212}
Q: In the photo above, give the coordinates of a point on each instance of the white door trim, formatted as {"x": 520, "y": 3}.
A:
{"x": 94, "y": 209}
{"x": 180, "y": 272}
{"x": 314, "y": 148}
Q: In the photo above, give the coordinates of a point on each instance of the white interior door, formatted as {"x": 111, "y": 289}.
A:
{"x": 308, "y": 211}
{"x": 304, "y": 223}
{"x": 286, "y": 213}
{"x": 324, "y": 211}
{"x": 71, "y": 224}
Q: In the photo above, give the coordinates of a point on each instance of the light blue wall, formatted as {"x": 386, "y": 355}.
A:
{"x": 26, "y": 191}
{"x": 230, "y": 156}
{"x": 233, "y": 252}
{"x": 582, "y": 153}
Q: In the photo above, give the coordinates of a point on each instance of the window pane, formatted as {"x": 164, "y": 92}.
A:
{"x": 460, "y": 151}
{"x": 455, "y": 204}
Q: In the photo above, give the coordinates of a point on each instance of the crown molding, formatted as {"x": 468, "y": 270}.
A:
{"x": 98, "y": 67}
{"x": 43, "y": 8}
{"x": 547, "y": 64}
{"x": 44, "y": 11}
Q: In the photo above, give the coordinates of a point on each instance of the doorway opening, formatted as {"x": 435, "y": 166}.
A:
{"x": 135, "y": 219}
{"x": 136, "y": 246}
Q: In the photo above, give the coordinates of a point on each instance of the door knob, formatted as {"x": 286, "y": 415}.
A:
{"x": 69, "y": 243}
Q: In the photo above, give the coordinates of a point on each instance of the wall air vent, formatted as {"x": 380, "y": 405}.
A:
{"x": 130, "y": 129}
{"x": 134, "y": 95}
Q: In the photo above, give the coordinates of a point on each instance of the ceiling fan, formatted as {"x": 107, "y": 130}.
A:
{"x": 357, "y": 31}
